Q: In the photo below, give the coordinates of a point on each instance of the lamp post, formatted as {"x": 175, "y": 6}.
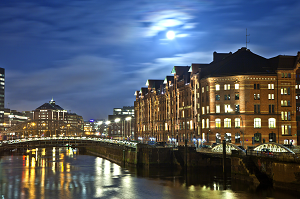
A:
{"x": 129, "y": 119}
{"x": 116, "y": 121}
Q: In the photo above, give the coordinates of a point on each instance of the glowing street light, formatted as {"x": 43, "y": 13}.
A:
{"x": 117, "y": 120}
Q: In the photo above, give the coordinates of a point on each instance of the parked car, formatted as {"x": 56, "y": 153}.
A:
{"x": 266, "y": 152}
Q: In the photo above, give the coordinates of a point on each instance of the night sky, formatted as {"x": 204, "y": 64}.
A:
{"x": 90, "y": 56}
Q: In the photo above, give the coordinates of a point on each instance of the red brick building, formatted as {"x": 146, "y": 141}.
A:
{"x": 241, "y": 97}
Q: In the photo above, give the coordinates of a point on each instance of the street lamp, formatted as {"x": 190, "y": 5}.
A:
{"x": 129, "y": 119}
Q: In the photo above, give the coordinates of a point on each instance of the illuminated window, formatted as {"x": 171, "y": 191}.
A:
{"x": 272, "y": 123}
{"x": 206, "y": 88}
{"x": 203, "y": 110}
{"x": 227, "y": 108}
{"x": 207, "y": 109}
{"x": 202, "y": 89}
{"x": 257, "y": 123}
{"x": 236, "y": 86}
{"x": 217, "y": 87}
{"x": 237, "y": 122}
{"x": 218, "y": 138}
{"x": 217, "y": 97}
{"x": 286, "y": 129}
{"x": 207, "y": 123}
{"x": 227, "y": 123}
{"x": 226, "y": 87}
{"x": 218, "y": 123}
{"x": 271, "y": 86}
{"x": 270, "y": 96}
{"x": 218, "y": 109}
{"x": 203, "y": 123}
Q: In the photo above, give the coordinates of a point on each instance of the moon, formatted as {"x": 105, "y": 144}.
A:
{"x": 170, "y": 34}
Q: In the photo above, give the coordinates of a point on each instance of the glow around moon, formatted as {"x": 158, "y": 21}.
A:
{"x": 170, "y": 34}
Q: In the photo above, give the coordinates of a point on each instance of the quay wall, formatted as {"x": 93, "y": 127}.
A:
{"x": 266, "y": 170}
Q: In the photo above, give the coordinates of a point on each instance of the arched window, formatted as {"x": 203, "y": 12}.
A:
{"x": 218, "y": 138}
{"x": 257, "y": 123}
{"x": 257, "y": 138}
{"x": 272, "y": 123}
{"x": 237, "y": 138}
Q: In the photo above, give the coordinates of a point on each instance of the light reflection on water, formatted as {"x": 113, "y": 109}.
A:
{"x": 64, "y": 173}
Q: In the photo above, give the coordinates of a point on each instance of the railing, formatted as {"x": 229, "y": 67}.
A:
{"x": 22, "y": 140}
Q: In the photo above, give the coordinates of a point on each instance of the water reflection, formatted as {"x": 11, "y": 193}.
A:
{"x": 64, "y": 173}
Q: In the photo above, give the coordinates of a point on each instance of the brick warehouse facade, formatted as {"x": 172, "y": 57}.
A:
{"x": 241, "y": 97}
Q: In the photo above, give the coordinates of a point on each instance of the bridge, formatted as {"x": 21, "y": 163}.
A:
{"x": 39, "y": 142}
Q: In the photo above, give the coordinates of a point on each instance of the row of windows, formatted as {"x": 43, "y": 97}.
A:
{"x": 226, "y": 87}
{"x": 237, "y": 123}
{"x": 227, "y": 108}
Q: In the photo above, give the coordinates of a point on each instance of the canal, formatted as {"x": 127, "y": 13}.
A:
{"x": 68, "y": 173}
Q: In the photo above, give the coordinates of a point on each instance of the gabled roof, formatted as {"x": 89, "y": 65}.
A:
{"x": 242, "y": 61}
{"x": 151, "y": 83}
{"x": 50, "y": 106}
{"x": 168, "y": 79}
{"x": 283, "y": 62}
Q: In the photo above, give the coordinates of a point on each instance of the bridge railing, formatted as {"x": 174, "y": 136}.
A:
{"x": 104, "y": 140}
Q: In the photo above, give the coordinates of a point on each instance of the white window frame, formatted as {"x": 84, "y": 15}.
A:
{"x": 257, "y": 122}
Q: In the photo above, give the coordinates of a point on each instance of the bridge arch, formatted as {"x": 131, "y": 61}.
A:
{"x": 229, "y": 147}
{"x": 273, "y": 147}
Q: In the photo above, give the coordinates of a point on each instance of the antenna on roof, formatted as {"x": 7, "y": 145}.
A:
{"x": 247, "y": 38}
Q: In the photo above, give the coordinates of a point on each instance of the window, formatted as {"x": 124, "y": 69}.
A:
{"x": 286, "y": 129}
{"x": 237, "y": 86}
{"x": 256, "y": 86}
{"x": 203, "y": 123}
{"x": 228, "y": 137}
{"x": 272, "y": 123}
{"x": 237, "y": 96}
{"x": 206, "y": 88}
{"x": 227, "y": 108}
{"x": 289, "y": 75}
{"x": 271, "y": 108}
{"x": 207, "y": 109}
{"x": 227, "y": 123}
{"x": 257, "y": 123}
{"x": 288, "y": 91}
{"x": 217, "y": 97}
{"x": 203, "y": 110}
{"x": 237, "y": 122}
{"x": 237, "y": 138}
{"x": 272, "y": 137}
{"x": 218, "y": 138}
{"x": 270, "y": 96}
{"x": 227, "y": 97}
{"x": 256, "y": 108}
{"x": 217, "y": 87}
{"x": 207, "y": 123}
{"x": 271, "y": 86}
{"x": 257, "y": 138}
{"x": 237, "y": 108}
{"x": 202, "y": 89}
{"x": 258, "y": 96}
{"x": 226, "y": 87}
{"x": 218, "y": 123}
{"x": 218, "y": 108}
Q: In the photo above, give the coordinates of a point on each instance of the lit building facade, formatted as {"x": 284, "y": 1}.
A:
{"x": 239, "y": 97}
{"x": 52, "y": 120}
{"x": 120, "y": 125}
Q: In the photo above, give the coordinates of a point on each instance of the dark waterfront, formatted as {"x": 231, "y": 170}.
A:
{"x": 66, "y": 173}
